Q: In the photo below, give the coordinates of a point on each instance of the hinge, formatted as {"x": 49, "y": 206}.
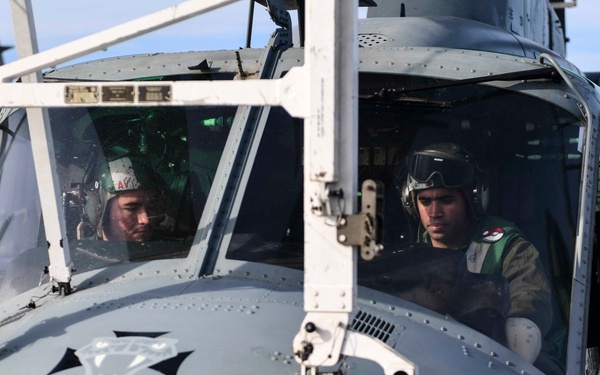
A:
{"x": 365, "y": 229}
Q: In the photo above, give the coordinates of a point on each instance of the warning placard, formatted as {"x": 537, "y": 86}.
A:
{"x": 155, "y": 93}
{"x": 118, "y": 94}
{"x": 81, "y": 94}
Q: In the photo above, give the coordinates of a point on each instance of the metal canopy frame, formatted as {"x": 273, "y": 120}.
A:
{"x": 324, "y": 92}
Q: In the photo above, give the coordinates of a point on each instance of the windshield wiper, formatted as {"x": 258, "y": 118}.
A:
{"x": 390, "y": 95}
{"x": 541, "y": 73}
{"x": 398, "y": 94}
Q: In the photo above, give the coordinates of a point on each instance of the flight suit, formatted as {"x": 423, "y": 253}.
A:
{"x": 497, "y": 247}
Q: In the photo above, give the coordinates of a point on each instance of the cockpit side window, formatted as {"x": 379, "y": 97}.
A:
{"x": 20, "y": 213}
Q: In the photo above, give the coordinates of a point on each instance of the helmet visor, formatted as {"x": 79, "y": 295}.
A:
{"x": 452, "y": 172}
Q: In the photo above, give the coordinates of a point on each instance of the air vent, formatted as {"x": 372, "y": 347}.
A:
{"x": 373, "y": 326}
{"x": 371, "y": 40}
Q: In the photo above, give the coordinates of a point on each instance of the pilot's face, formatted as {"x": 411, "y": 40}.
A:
{"x": 444, "y": 214}
{"x": 131, "y": 216}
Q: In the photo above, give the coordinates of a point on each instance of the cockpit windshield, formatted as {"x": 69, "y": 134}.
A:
{"x": 527, "y": 151}
{"x": 134, "y": 182}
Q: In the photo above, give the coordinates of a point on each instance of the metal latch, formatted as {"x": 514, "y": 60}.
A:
{"x": 365, "y": 229}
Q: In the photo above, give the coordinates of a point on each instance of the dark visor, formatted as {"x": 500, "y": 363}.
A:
{"x": 453, "y": 172}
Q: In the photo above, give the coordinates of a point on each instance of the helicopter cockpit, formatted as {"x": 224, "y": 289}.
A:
{"x": 527, "y": 146}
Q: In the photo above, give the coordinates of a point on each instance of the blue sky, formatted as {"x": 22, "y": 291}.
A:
{"x": 61, "y": 21}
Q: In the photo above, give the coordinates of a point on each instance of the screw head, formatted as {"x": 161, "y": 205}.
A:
{"x": 310, "y": 327}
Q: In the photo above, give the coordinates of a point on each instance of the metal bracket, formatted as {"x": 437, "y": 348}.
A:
{"x": 282, "y": 39}
{"x": 279, "y": 14}
{"x": 325, "y": 341}
{"x": 327, "y": 201}
{"x": 319, "y": 342}
{"x": 360, "y": 345}
{"x": 365, "y": 228}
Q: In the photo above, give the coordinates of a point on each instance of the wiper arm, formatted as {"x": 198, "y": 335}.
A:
{"x": 390, "y": 95}
{"x": 541, "y": 73}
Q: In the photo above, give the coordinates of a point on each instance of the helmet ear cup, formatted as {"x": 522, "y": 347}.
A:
{"x": 91, "y": 212}
{"x": 480, "y": 196}
{"x": 408, "y": 201}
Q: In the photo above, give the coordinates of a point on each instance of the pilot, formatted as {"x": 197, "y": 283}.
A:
{"x": 130, "y": 200}
{"x": 444, "y": 191}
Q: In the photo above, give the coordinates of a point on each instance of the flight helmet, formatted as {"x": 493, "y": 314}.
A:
{"x": 117, "y": 175}
{"x": 445, "y": 165}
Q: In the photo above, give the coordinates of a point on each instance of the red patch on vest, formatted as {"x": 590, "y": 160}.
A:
{"x": 492, "y": 235}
